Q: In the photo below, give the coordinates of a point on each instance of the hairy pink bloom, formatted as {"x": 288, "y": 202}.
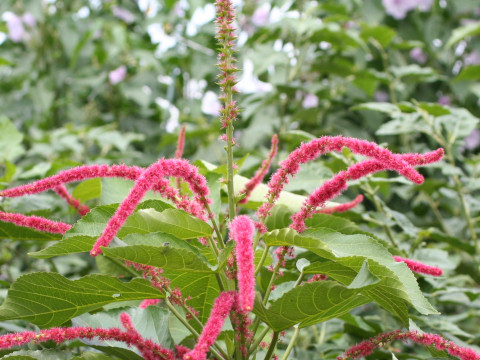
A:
{"x": 366, "y": 347}
{"x": 61, "y": 190}
{"x": 241, "y": 231}
{"x": 145, "y": 182}
{"x": 180, "y": 142}
{"x": 311, "y": 150}
{"x": 419, "y": 267}
{"x": 149, "y": 302}
{"x": 221, "y": 308}
{"x": 342, "y": 207}
{"x": 179, "y": 152}
{"x": 261, "y": 172}
{"x": 148, "y": 349}
{"x": 333, "y": 187}
{"x": 35, "y": 222}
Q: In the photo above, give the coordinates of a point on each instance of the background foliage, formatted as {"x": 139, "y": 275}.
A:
{"x": 309, "y": 68}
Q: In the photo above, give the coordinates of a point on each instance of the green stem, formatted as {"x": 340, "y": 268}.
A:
{"x": 257, "y": 342}
{"x": 272, "y": 346}
{"x": 292, "y": 342}
{"x": 270, "y": 284}
{"x": 211, "y": 215}
{"x": 380, "y": 209}
{"x": 229, "y": 149}
{"x": 299, "y": 280}
{"x": 262, "y": 260}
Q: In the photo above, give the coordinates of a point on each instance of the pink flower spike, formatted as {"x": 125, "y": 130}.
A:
{"x": 241, "y": 231}
{"x": 149, "y": 302}
{"x": 180, "y": 142}
{"x": 63, "y": 193}
{"x": 419, "y": 267}
{"x": 367, "y": 347}
{"x": 342, "y": 207}
{"x": 150, "y": 177}
{"x": 311, "y": 150}
{"x": 35, "y": 222}
{"x": 221, "y": 308}
{"x": 260, "y": 174}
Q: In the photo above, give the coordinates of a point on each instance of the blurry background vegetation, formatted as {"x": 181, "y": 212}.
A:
{"x": 112, "y": 82}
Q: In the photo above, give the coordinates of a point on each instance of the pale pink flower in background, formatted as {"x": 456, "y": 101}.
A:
{"x": 261, "y": 15}
{"x": 15, "y": 28}
{"x": 117, "y": 75}
{"x": 472, "y": 59}
{"x": 123, "y": 14}
{"x": 424, "y": 5}
{"x": 210, "y": 104}
{"x": 29, "y": 19}
{"x": 310, "y": 101}
{"x": 381, "y": 96}
{"x": 418, "y": 55}
{"x": 444, "y": 100}
{"x": 399, "y": 8}
{"x": 472, "y": 141}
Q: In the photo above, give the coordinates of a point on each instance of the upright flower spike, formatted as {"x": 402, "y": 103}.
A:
{"x": 229, "y": 111}
{"x": 146, "y": 181}
{"x": 311, "y": 150}
{"x": 221, "y": 308}
{"x": 241, "y": 231}
{"x": 261, "y": 172}
{"x": 179, "y": 153}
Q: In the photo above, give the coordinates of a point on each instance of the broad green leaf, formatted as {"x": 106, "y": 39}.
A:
{"x": 91, "y": 356}
{"x": 340, "y": 225}
{"x": 10, "y": 140}
{"x": 363, "y": 278}
{"x": 462, "y": 32}
{"x": 8, "y": 172}
{"x": 14, "y": 232}
{"x": 382, "y": 34}
{"x": 45, "y": 354}
{"x": 180, "y": 224}
{"x": 202, "y": 288}
{"x": 469, "y": 73}
{"x": 309, "y": 304}
{"x": 115, "y": 190}
{"x": 49, "y": 299}
{"x": 87, "y": 190}
{"x": 166, "y": 257}
{"x": 378, "y": 106}
{"x": 398, "y": 283}
{"x": 70, "y": 245}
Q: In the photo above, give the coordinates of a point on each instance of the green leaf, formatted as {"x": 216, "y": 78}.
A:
{"x": 87, "y": 190}
{"x": 397, "y": 282}
{"x": 382, "y": 34}
{"x": 378, "y": 106}
{"x": 70, "y": 245}
{"x": 45, "y": 354}
{"x": 10, "y": 140}
{"x": 469, "y": 73}
{"x": 339, "y": 224}
{"x": 363, "y": 278}
{"x": 14, "y": 232}
{"x": 180, "y": 224}
{"x": 309, "y": 304}
{"x": 202, "y": 288}
{"x": 165, "y": 257}
{"x": 49, "y": 299}
{"x": 10, "y": 170}
{"x": 462, "y": 32}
